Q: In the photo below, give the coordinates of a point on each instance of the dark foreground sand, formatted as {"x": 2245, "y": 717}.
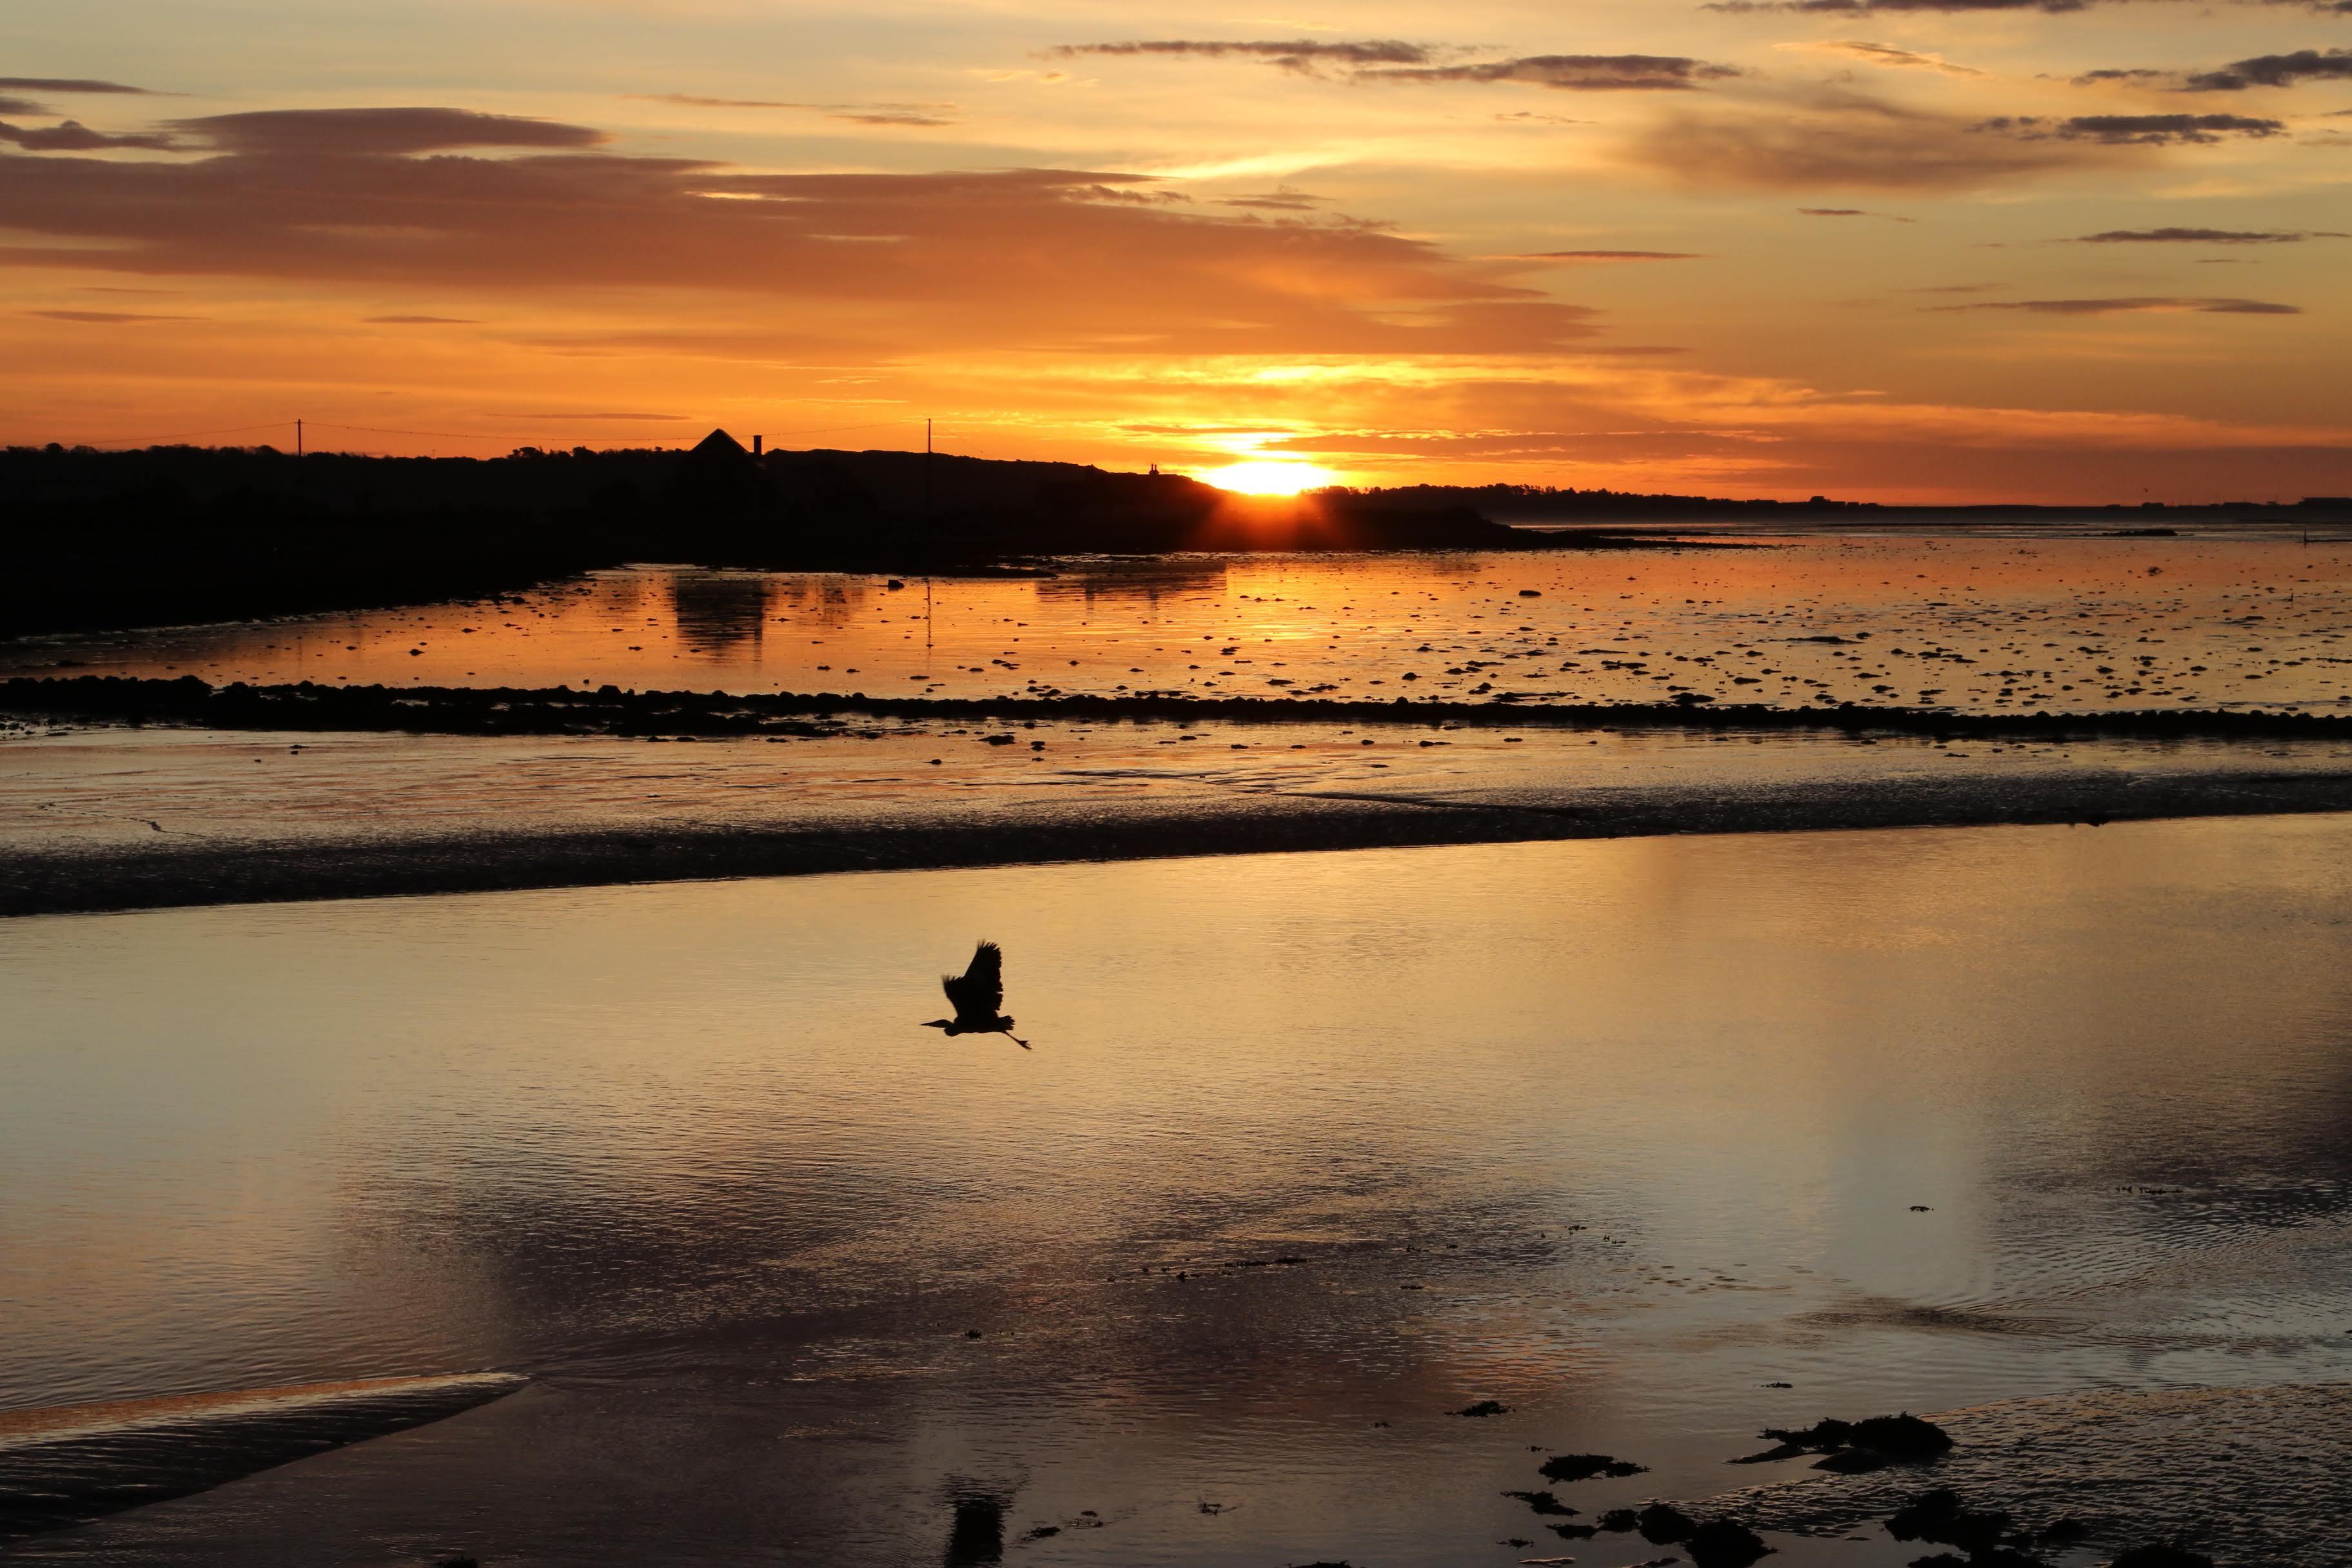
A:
{"x": 50, "y": 878}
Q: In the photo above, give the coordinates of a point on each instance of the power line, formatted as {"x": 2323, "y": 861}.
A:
{"x": 188, "y": 435}
{"x": 531, "y": 439}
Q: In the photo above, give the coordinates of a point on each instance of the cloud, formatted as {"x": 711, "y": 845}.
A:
{"x": 2275, "y": 70}
{"x": 1573, "y": 73}
{"x": 2134, "y": 129}
{"x": 1392, "y": 59}
{"x": 105, "y": 318}
{"x": 1610, "y": 255}
{"x": 1282, "y": 198}
{"x": 66, "y": 84}
{"x": 1302, "y": 55}
{"x": 1844, "y": 141}
{"x": 1886, "y": 54}
{"x": 422, "y": 321}
{"x": 858, "y": 113}
{"x": 75, "y": 137}
{"x": 2204, "y": 237}
{"x": 2136, "y": 304}
{"x": 316, "y": 133}
{"x": 21, "y": 106}
{"x": 1039, "y": 260}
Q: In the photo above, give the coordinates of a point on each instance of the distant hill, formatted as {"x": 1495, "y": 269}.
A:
{"x": 185, "y": 533}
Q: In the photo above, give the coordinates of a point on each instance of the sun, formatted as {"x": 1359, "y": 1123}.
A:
{"x": 1269, "y": 476}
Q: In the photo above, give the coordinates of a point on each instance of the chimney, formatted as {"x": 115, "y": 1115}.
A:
{"x": 755, "y": 444}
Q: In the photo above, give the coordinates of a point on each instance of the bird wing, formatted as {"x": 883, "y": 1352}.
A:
{"x": 978, "y": 991}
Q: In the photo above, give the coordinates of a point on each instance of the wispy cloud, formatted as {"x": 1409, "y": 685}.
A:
{"x": 1302, "y": 55}
{"x": 1884, "y": 54}
{"x": 1392, "y": 59}
{"x": 105, "y": 318}
{"x": 2134, "y": 129}
{"x": 1843, "y": 139}
{"x": 2135, "y": 304}
{"x": 917, "y": 114}
{"x": 60, "y": 84}
{"x": 2205, "y": 236}
{"x": 1084, "y": 262}
{"x": 1572, "y": 256}
{"x": 2275, "y": 70}
{"x": 75, "y": 137}
{"x": 1573, "y": 73}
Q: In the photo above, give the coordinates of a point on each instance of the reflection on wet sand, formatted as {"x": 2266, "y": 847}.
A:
{"x": 1978, "y": 621}
{"x": 1655, "y": 1142}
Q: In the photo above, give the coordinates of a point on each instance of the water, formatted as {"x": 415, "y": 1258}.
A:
{"x": 681, "y": 1155}
{"x": 1979, "y": 620}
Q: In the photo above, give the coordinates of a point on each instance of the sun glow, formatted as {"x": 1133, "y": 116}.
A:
{"x": 1269, "y": 476}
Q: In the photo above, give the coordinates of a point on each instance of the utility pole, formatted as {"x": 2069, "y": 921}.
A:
{"x": 927, "y": 467}
{"x": 298, "y": 439}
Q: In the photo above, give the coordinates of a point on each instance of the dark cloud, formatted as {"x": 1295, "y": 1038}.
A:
{"x": 105, "y": 318}
{"x": 75, "y": 137}
{"x": 1290, "y": 54}
{"x": 2275, "y": 70}
{"x": 1573, "y": 73}
{"x": 1074, "y": 260}
{"x": 2134, "y": 129}
{"x": 66, "y": 84}
{"x": 390, "y": 132}
{"x": 1391, "y": 60}
{"x": 22, "y": 106}
{"x": 2204, "y": 237}
{"x": 1610, "y": 255}
{"x": 422, "y": 321}
{"x": 2126, "y": 306}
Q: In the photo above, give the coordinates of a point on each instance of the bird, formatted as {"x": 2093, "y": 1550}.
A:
{"x": 977, "y": 993}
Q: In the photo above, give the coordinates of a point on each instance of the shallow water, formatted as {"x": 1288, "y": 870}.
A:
{"x": 1978, "y": 620}
{"x": 681, "y": 1155}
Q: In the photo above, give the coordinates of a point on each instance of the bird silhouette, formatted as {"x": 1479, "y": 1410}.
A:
{"x": 977, "y": 993}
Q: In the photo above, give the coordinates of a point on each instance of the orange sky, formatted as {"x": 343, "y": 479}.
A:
{"x": 1907, "y": 249}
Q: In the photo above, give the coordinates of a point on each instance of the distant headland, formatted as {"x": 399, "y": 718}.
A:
{"x": 174, "y": 534}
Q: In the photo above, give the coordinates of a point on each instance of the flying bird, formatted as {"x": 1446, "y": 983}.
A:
{"x": 977, "y": 993}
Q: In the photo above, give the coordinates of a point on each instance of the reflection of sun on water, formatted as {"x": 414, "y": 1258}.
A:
{"x": 1268, "y": 477}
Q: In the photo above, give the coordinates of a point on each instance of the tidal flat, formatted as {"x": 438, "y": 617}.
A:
{"x": 1654, "y": 1141}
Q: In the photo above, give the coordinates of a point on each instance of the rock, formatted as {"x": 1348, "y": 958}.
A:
{"x": 1485, "y": 1407}
{"x": 1663, "y": 1524}
{"x": 1855, "y": 1447}
{"x": 1723, "y": 1543}
{"x": 1941, "y": 1517}
{"x": 1619, "y": 1518}
{"x": 1584, "y": 1467}
{"x": 1544, "y": 1503}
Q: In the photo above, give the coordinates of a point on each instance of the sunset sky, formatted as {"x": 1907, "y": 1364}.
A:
{"x": 1901, "y": 250}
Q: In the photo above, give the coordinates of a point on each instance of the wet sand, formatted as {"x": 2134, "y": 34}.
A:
{"x": 113, "y": 818}
{"x": 1654, "y": 1142}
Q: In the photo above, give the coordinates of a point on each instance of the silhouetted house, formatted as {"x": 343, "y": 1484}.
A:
{"x": 719, "y": 485}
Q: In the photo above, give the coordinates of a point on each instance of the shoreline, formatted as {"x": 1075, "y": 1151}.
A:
{"x": 111, "y": 878}
{"x": 610, "y": 711}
